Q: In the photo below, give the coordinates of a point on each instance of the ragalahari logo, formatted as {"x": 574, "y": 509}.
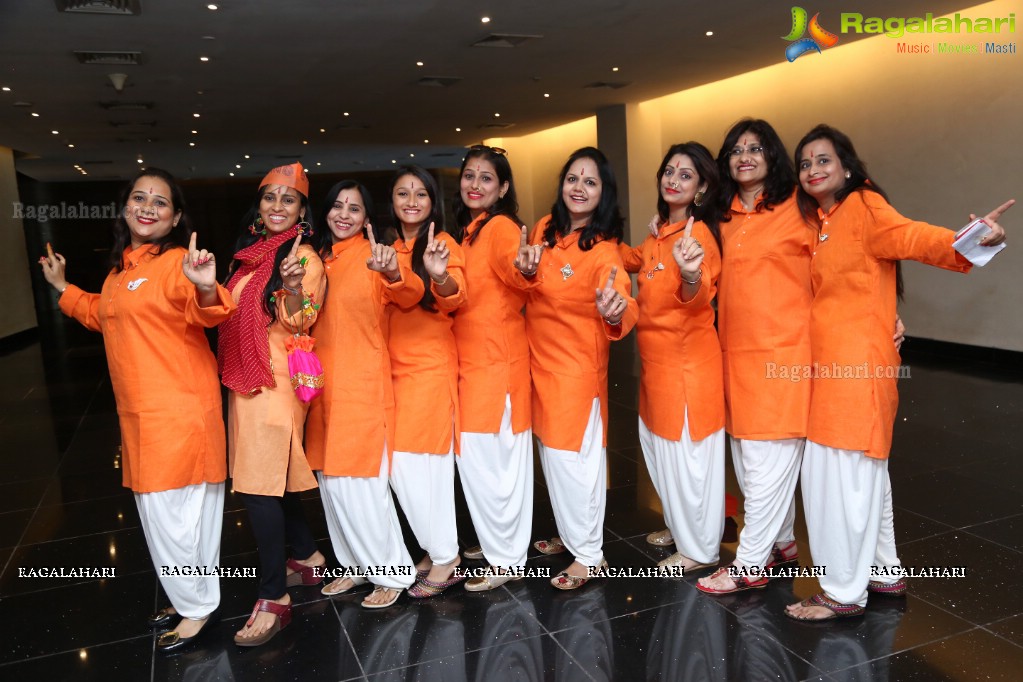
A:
{"x": 820, "y": 38}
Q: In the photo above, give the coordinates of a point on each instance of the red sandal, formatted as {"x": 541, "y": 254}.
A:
{"x": 303, "y": 575}
{"x": 838, "y": 609}
{"x": 742, "y": 583}
{"x": 283, "y": 618}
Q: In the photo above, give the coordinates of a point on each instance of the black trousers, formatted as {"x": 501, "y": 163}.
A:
{"x": 277, "y": 522}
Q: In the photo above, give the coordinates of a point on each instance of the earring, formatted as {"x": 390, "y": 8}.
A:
{"x": 304, "y": 228}
{"x": 848, "y": 175}
{"x": 257, "y": 228}
{"x": 698, "y": 198}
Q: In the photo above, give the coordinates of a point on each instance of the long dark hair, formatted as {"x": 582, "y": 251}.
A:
{"x": 707, "y": 169}
{"x": 508, "y": 205}
{"x": 781, "y": 174}
{"x": 606, "y": 222}
{"x": 436, "y": 217}
{"x": 179, "y": 234}
{"x": 323, "y": 239}
{"x": 858, "y": 181}
{"x": 246, "y": 238}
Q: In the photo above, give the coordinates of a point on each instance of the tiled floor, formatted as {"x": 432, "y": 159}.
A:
{"x": 957, "y": 472}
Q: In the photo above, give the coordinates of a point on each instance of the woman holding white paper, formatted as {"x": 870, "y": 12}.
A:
{"x": 854, "y": 396}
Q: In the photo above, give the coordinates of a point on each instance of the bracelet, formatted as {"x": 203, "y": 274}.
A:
{"x": 531, "y": 273}
{"x": 695, "y": 281}
{"x": 293, "y": 292}
{"x": 447, "y": 276}
{"x": 64, "y": 289}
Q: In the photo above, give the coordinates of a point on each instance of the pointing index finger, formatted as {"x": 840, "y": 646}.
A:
{"x": 191, "y": 242}
{"x": 997, "y": 213}
{"x": 611, "y": 278}
{"x": 524, "y": 239}
{"x": 689, "y": 228}
{"x": 294, "y": 248}
{"x": 429, "y": 233}
{"x": 369, "y": 235}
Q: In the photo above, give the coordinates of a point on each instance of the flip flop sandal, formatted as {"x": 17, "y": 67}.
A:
{"x": 304, "y": 575}
{"x": 838, "y": 609}
{"x": 356, "y": 581}
{"x": 548, "y": 547}
{"x": 395, "y": 593}
{"x": 895, "y": 589}
{"x": 779, "y": 558}
{"x": 282, "y": 613}
{"x": 742, "y": 583}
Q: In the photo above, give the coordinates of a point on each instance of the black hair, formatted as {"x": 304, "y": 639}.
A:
{"x": 707, "y": 169}
{"x": 508, "y": 205}
{"x": 858, "y": 181}
{"x": 606, "y": 222}
{"x": 436, "y": 217}
{"x": 246, "y": 238}
{"x": 781, "y": 174}
{"x": 179, "y": 234}
{"x": 323, "y": 240}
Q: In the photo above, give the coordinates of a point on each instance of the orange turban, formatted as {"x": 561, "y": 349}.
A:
{"x": 292, "y": 176}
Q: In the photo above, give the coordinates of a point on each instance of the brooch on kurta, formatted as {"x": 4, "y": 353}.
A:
{"x": 651, "y": 271}
{"x": 136, "y": 283}
{"x": 566, "y": 271}
{"x": 823, "y": 236}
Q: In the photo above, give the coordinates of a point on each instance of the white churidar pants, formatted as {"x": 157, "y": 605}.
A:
{"x": 768, "y": 471}
{"x": 577, "y": 483}
{"x": 363, "y": 526}
{"x": 843, "y": 500}
{"x": 497, "y": 478}
{"x": 182, "y": 528}
{"x": 690, "y": 480}
{"x": 425, "y": 486}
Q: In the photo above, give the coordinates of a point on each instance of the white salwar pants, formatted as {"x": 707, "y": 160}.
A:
{"x": 689, "y": 477}
{"x": 425, "y": 486}
{"x": 182, "y": 528}
{"x": 767, "y": 471}
{"x": 577, "y": 483}
{"x": 497, "y": 478}
{"x": 363, "y": 526}
{"x": 844, "y": 502}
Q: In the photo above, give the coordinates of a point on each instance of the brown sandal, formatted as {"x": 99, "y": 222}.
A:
{"x": 548, "y": 547}
{"x": 566, "y": 581}
{"x": 283, "y": 618}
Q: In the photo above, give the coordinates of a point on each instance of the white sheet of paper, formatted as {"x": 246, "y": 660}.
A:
{"x": 967, "y": 243}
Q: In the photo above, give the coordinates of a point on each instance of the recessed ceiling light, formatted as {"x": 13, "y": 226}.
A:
{"x": 485, "y": 20}
{"x": 212, "y": 7}
{"x": 70, "y": 146}
{"x": 6, "y": 89}
{"x": 247, "y": 156}
{"x": 209, "y": 37}
{"x": 393, "y": 161}
{"x": 305, "y": 141}
{"x": 55, "y": 132}
{"x": 426, "y": 142}
{"x": 195, "y": 115}
{"x": 204, "y": 59}
{"x": 231, "y": 174}
{"x": 412, "y": 156}
{"x": 323, "y": 130}
{"x": 237, "y": 165}
{"x": 546, "y": 94}
{"x": 614, "y": 68}
{"x": 140, "y": 160}
{"x": 191, "y": 144}
{"x": 419, "y": 63}
{"x": 346, "y": 113}
{"x": 710, "y": 33}
{"x": 195, "y": 132}
{"x": 318, "y": 163}
{"x": 497, "y": 115}
{"x": 35, "y": 114}
{"x": 458, "y": 130}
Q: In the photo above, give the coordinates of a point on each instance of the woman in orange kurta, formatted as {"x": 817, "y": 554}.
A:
{"x": 681, "y": 398}
{"x": 581, "y": 303}
{"x": 854, "y": 396}
{"x": 350, "y": 429}
{"x": 152, "y": 310}
{"x": 424, "y": 367}
{"x": 496, "y": 460}
{"x": 278, "y": 283}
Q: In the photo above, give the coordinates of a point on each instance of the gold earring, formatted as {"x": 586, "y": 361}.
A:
{"x": 698, "y": 198}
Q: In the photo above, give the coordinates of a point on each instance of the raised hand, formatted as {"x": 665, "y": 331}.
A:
{"x": 655, "y": 225}
{"x": 199, "y": 266}
{"x": 527, "y": 260}
{"x": 997, "y": 234}
{"x": 435, "y": 258}
{"x": 382, "y": 257}
{"x": 293, "y": 268}
{"x": 53, "y": 268}
{"x": 688, "y": 253}
{"x": 610, "y": 304}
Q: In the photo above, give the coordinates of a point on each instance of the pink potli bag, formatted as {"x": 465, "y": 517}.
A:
{"x": 305, "y": 368}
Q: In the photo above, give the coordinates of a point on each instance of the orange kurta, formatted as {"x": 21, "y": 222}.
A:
{"x": 265, "y": 429}
{"x": 678, "y": 345}
{"x": 854, "y": 391}
{"x": 424, "y": 362}
{"x": 162, "y": 370}
{"x": 764, "y": 298}
{"x": 351, "y": 422}
{"x": 490, "y": 330}
{"x": 568, "y": 339}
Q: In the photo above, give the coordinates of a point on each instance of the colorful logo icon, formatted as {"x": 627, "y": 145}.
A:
{"x": 820, "y": 38}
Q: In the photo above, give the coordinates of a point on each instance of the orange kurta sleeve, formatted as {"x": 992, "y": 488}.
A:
{"x": 82, "y": 306}
{"x": 456, "y": 270}
{"x": 764, "y": 297}
{"x": 632, "y": 256}
{"x": 490, "y": 330}
{"x": 855, "y": 395}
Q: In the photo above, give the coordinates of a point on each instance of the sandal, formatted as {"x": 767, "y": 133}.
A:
{"x": 661, "y": 538}
{"x": 742, "y": 583}
{"x": 895, "y": 589}
{"x": 678, "y": 559}
{"x": 424, "y": 588}
{"x": 490, "y": 581}
{"x": 283, "y": 618}
{"x": 304, "y": 575}
{"x": 552, "y": 546}
{"x": 838, "y": 609}
{"x": 566, "y": 581}
{"x": 328, "y": 591}
{"x": 781, "y": 560}
{"x": 170, "y": 642}
{"x": 395, "y": 593}
{"x": 474, "y": 552}
{"x": 162, "y": 617}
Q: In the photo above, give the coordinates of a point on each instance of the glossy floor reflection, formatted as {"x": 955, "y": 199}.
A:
{"x": 957, "y": 472}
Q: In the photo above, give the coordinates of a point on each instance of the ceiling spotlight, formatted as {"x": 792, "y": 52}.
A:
{"x": 6, "y": 89}
{"x": 710, "y": 33}
{"x": 323, "y": 130}
{"x": 70, "y": 146}
{"x": 237, "y": 165}
{"x": 195, "y": 115}
{"x": 426, "y": 142}
{"x": 412, "y": 156}
{"x": 204, "y": 59}
{"x": 497, "y": 115}
{"x": 212, "y": 7}
{"x": 394, "y": 161}
{"x": 485, "y": 20}
{"x": 140, "y": 160}
{"x": 191, "y": 144}
{"x": 35, "y": 114}
{"x": 247, "y": 156}
{"x": 614, "y": 68}
{"x": 55, "y": 132}
{"x": 231, "y": 174}
{"x": 346, "y": 113}
{"x": 419, "y": 63}
{"x": 318, "y": 163}
{"x": 458, "y": 130}
{"x": 546, "y": 94}
{"x": 195, "y": 132}
{"x": 305, "y": 141}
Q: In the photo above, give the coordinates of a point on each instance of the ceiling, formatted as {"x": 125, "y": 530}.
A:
{"x": 337, "y": 84}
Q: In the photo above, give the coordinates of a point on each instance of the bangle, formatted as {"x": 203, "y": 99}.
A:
{"x": 293, "y": 292}
{"x": 447, "y": 276}
{"x": 699, "y": 276}
{"x": 531, "y": 273}
{"x": 64, "y": 289}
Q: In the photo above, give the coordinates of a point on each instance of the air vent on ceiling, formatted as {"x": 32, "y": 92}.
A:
{"x": 437, "y": 81}
{"x": 122, "y": 7}
{"x": 126, "y": 106}
{"x": 125, "y": 58}
{"x": 496, "y": 126}
{"x": 504, "y": 40}
{"x": 597, "y": 85}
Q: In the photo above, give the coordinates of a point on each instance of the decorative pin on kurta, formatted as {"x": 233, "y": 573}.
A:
{"x": 136, "y": 283}
{"x": 651, "y": 271}
{"x": 566, "y": 271}
{"x": 824, "y": 237}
